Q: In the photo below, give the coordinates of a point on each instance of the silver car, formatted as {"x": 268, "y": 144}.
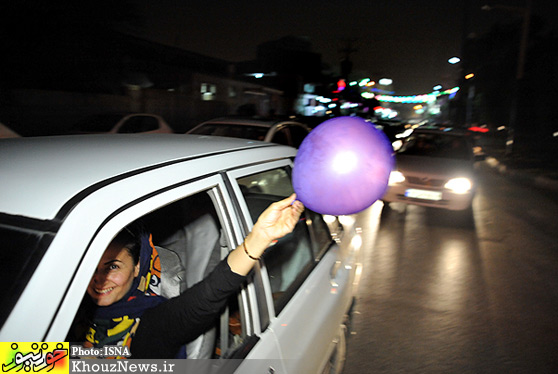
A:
{"x": 287, "y": 132}
{"x": 64, "y": 198}
{"x": 122, "y": 123}
{"x": 435, "y": 168}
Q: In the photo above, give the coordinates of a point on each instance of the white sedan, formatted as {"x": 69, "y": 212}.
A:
{"x": 435, "y": 168}
{"x": 122, "y": 123}
{"x": 284, "y": 132}
{"x": 64, "y": 198}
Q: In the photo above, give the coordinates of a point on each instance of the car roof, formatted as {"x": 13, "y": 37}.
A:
{"x": 252, "y": 121}
{"x": 52, "y": 170}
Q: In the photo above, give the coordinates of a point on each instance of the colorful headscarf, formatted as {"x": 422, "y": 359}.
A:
{"x": 116, "y": 324}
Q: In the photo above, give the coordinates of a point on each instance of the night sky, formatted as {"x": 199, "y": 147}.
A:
{"x": 407, "y": 41}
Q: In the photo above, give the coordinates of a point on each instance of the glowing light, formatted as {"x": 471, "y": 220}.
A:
{"x": 459, "y": 185}
{"x": 356, "y": 241}
{"x": 437, "y": 87}
{"x": 404, "y": 134}
{"x": 454, "y": 60}
{"x": 416, "y": 99}
{"x": 478, "y": 129}
{"x": 341, "y": 85}
{"x": 385, "y": 81}
{"x": 469, "y": 76}
{"x": 329, "y": 218}
{"x": 396, "y": 177}
{"x": 363, "y": 82}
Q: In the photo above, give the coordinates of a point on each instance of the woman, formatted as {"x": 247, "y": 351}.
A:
{"x": 129, "y": 312}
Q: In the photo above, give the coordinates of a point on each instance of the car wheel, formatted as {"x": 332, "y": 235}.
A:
{"x": 336, "y": 361}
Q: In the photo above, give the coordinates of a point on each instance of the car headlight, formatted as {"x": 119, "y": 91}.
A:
{"x": 459, "y": 185}
{"x": 396, "y": 177}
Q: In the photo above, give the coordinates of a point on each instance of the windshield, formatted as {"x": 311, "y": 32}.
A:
{"x": 436, "y": 145}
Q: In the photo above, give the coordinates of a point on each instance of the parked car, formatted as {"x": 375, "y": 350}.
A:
{"x": 199, "y": 196}
{"x": 434, "y": 168}
{"x": 122, "y": 123}
{"x": 284, "y": 132}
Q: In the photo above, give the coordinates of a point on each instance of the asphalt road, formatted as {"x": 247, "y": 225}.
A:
{"x": 445, "y": 295}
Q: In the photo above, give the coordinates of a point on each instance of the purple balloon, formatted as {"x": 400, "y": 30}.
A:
{"x": 342, "y": 167}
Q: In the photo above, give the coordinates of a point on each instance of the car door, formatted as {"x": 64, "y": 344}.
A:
{"x": 306, "y": 276}
{"x": 125, "y": 205}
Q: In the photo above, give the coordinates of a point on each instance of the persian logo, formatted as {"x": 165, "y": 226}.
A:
{"x": 35, "y": 357}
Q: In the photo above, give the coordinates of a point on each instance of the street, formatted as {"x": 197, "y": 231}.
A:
{"x": 446, "y": 295}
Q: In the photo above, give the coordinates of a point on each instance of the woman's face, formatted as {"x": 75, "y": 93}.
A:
{"x": 113, "y": 277}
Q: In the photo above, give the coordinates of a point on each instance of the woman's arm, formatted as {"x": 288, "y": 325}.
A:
{"x": 166, "y": 327}
{"x": 278, "y": 220}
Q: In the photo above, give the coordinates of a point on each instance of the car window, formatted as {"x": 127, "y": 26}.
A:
{"x": 138, "y": 124}
{"x": 190, "y": 239}
{"x": 291, "y": 258}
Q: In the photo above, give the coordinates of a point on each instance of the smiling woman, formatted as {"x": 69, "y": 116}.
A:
{"x": 116, "y": 270}
{"x": 125, "y": 289}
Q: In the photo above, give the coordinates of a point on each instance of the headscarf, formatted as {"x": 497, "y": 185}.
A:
{"x": 116, "y": 324}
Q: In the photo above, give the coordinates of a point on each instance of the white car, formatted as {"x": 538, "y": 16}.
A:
{"x": 435, "y": 168}
{"x": 122, "y": 123}
{"x": 290, "y": 133}
{"x": 64, "y": 198}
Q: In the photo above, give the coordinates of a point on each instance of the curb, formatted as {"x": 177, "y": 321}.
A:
{"x": 537, "y": 181}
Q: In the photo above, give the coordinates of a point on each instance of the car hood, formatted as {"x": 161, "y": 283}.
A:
{"x": 434, "y": 166}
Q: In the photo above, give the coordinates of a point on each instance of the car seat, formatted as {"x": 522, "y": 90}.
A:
{"x": 187, "y": 257}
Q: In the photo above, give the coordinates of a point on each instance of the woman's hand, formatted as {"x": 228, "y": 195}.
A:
{"x": 278, "y": 220}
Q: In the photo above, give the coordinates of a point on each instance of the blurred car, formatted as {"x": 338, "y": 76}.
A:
{"x": 199, "y": 196}
{"x": 396, "y": 131}
{"x": 122, "y": 123}
{"x": 434, "y": 168}
{"x": 284, "y": 132}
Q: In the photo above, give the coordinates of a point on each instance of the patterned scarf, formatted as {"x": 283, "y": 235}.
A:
{"x": 116, "y": 324}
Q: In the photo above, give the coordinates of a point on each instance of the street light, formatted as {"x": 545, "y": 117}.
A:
{"x": 454, "y": 60}
{"x": 385, "y": 81}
